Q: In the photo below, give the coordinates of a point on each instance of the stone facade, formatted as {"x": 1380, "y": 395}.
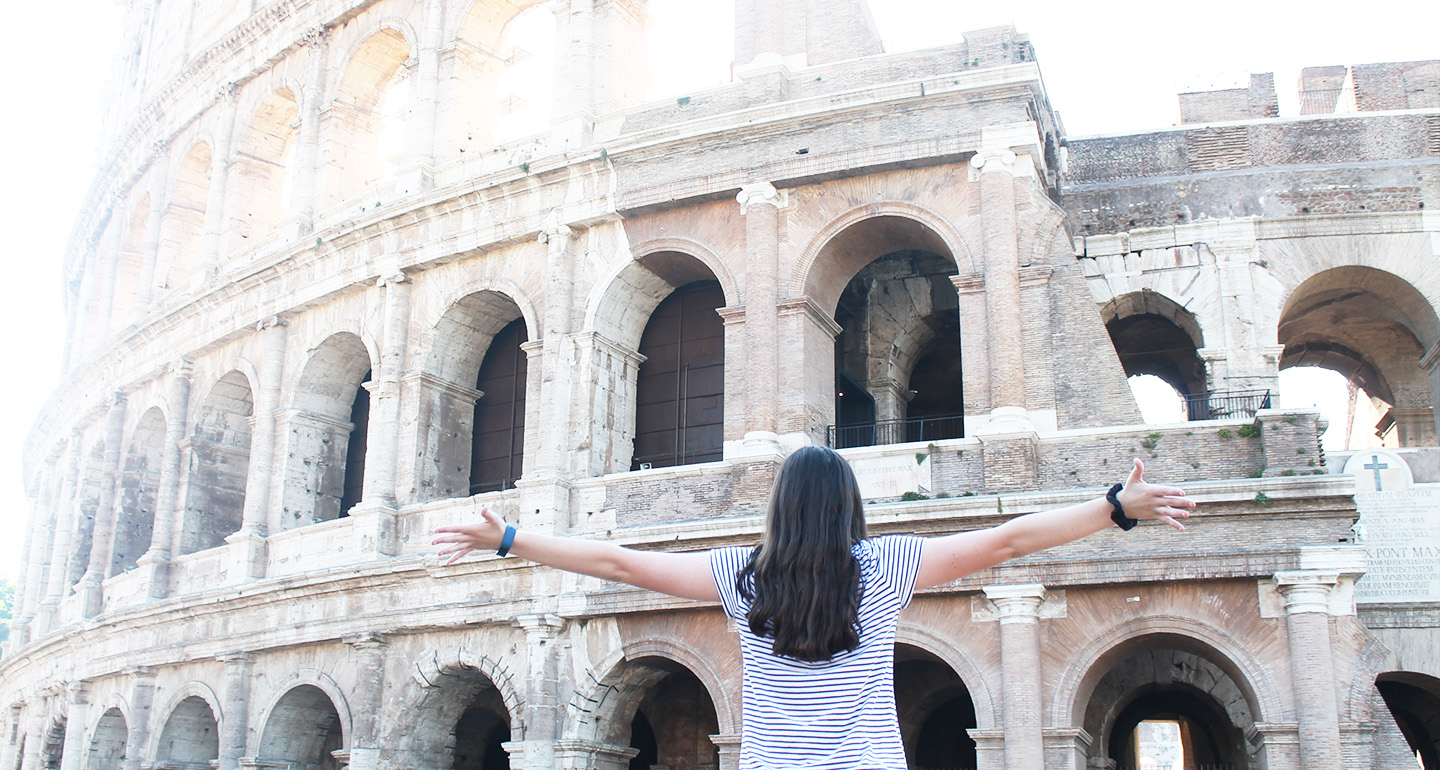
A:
{"x": 332, "y": 290}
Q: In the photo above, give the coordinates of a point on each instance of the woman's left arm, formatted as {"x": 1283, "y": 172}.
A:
{"x": 954, "y": 556}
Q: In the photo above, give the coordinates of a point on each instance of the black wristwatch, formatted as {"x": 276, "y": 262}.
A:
{"x": 1118, "y": 515}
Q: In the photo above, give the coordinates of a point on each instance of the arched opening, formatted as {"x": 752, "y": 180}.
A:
{"x": 261, "y": 170}
{"x": 1373, "y": 328}
{"x": 460, "y": 722}
{"x": 1414, "y": 701}
{"x": 673, "y": 721}
{"x": 494, "y": 39}
{"x": 107, "y": 748}
{"x": 1165, "y": 696}
{"x": 190, "y": 738}
{"x": 935, "y": 711}
{"x": 1160, "y": 403}
{"x": 365, "y": 120}
{"x": 183, "y": 227}
{"x": 899, "y": 339}
{"x": 304, "y": 730}
{"x": 472, "y": 399}
{"x": 219, "y": 465}
{"x": 139, "y": 487}
{"x": 327, "y": 433}
{"x": 680, "y": 388}
{"x": 623, "y": 317}
{"x": 87, "y": 493}
{"x": 497, "y": 450}
{"x": 1154, "y": 336}
{"x": 52, "y": 751}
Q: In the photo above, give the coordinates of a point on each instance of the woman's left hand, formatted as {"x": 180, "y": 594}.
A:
{"x": 1144, "y": 501}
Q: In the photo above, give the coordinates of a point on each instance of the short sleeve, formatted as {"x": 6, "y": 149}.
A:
{"x": 898, "y": 561}
{"x": 725, "y": 564}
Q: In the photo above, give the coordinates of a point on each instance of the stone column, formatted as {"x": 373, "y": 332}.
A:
{"x": 99, "y": 566}
{"x": 420, "y": 134}
{"x": 156, "y": 560}
{"x": 38, "y": 539}
{"x": 729, "y": 747}
{"x": 8, "y": 747}
{"x": 159, "y": 201}
{"x": 77, "y": 721}
{"x": 369, "y": 687}
{"x": 35, "y": 734}
{"x": 550, "y": 451}
{"x": 215, "y": 204}
{"x": 248, "y": 544}
{"x": 384, "y": 434}
{"x": 1312, "y": 667}
{"x": 996, "y": 169}
{"x": 543, "y": 710}
{"x": 236, "y": 708}
{"x": 66, "y": 516}
{"x": 760, "y": 206}
{"x": 305, "y": 186}
{"x": 142, "y": 696}
{"x": 1019, "y": 607}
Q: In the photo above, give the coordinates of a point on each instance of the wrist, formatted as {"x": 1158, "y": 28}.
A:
{"x": 1117, "y": 513}
{"x": 506, "y": 541}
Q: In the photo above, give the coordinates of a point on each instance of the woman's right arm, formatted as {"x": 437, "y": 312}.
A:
{"x": 686, "y": 575}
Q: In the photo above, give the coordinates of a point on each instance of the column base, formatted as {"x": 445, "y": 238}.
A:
{"x": 373, "y": 526}
{"x": 91, "y": 597}
{"x": 156, "y": 569}
{"x": 248, "y": 555}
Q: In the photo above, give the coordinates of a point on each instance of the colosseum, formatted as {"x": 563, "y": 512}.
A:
{"x": 341, "y": 282}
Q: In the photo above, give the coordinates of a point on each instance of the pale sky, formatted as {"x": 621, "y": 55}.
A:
{"x": 1111, "y": 67}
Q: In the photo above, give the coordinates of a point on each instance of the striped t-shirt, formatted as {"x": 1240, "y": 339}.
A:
{"x": 837, "y": 714}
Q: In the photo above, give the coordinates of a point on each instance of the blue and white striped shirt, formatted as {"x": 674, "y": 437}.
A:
{"x": 837, "y": 714}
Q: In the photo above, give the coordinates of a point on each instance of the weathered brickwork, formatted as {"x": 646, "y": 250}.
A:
{"x": 337, "y": 285}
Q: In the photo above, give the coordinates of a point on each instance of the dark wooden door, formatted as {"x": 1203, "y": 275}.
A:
{"x": 498, "y": 440}
{"x": 680, "y": 396}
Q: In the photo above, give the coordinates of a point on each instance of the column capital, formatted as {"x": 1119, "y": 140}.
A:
{"x": 1306, "y": 590}
{"x": 235, "y": 658}
{"x": 315, "y": 36}
{"x": 1017, "y": 603}
{"x": 993, "y": 160}
{"x": 542, "y": 624}
{"x": 365, "y": 640}
{"x": 79, "y": 691}
{"x": 759, "y": 193}
{"x": 272, "y": 322}
{"x": 393, "y": 279}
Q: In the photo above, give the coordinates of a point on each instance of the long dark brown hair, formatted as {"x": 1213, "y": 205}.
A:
{"x": 802, "y": 581}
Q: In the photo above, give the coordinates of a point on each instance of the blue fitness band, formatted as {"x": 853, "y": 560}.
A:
{"x": 506, "y": 541}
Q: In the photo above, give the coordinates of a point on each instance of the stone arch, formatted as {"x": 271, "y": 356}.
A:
{"x": 374, "y": 69}
{"x": 703, "y": 669}
{"x": 935, "y": 709}
{"x": 326, "y": 432}
{"x": 1153, "y": 334}
{"x": 182, "y": 227}
{"x": 462, "y": 344}
{"x": 885, "y": 281}
{"x": 1076, "y": 683}
{"x": 619, "y": 314}
{"x": 613, "y": 716}
{"x": 1414, "y": 700}
{"x": 261, "y": 170}
{"x": 1373, "y": 327}
{"x": 459, "y": 710}
{"x": 138, "y": 491}
{"x": 52, "y": 749}
{"x": 219, "y": 464}
{"x": 306, "y": 723}
{"x": 808, "y": 279}
{"x": 986, "y": 707}
{"x": 190, "y": 737}
{"x": 474, "y": 74}
{"x": 718, "y": 267}
{"x": 87, "y": 504}
{"x": 107, "y": 741}
{"x": 1180, "y": 668}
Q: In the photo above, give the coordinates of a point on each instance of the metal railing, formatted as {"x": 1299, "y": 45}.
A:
{"x": 1226, "y": 404}
{"x": 895, "y": 431}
